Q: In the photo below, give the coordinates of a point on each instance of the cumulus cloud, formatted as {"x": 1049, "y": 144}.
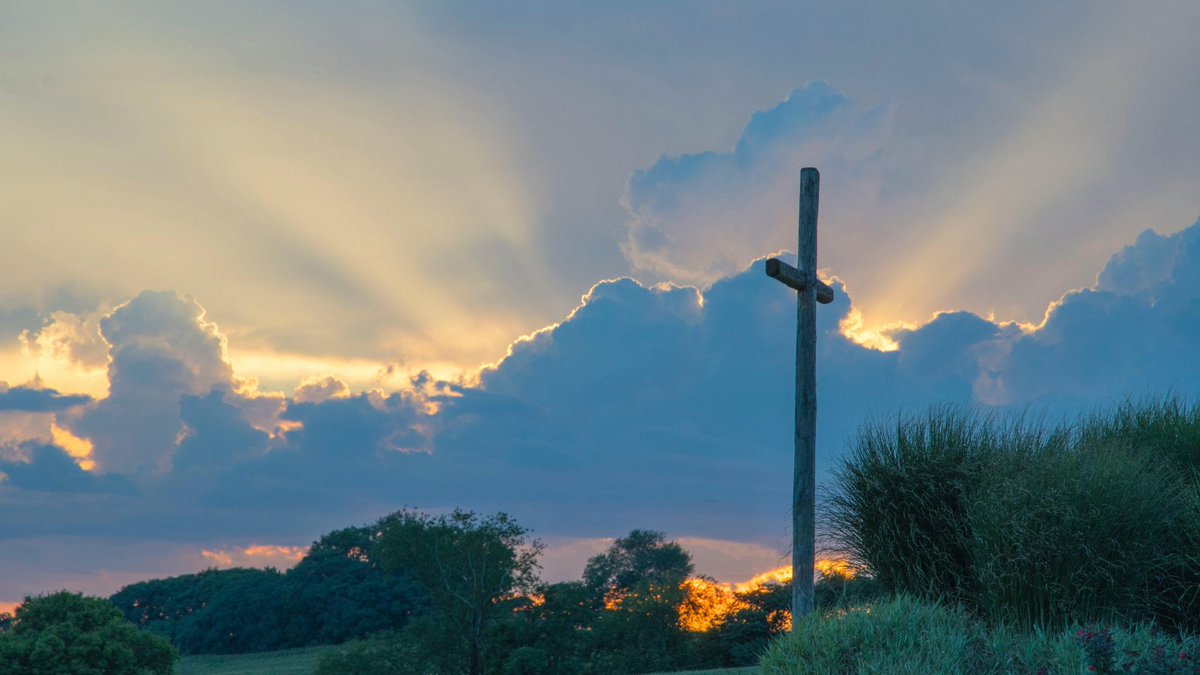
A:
{"x": 317, "y": 389}
{"x": 74, "y": 337}
{"x": 655, "y": 406}
{"x": 161, "y": 348}
{"x": 698, "y": 217}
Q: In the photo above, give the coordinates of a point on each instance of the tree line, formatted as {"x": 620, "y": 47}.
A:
{"x": 423, "y": 593}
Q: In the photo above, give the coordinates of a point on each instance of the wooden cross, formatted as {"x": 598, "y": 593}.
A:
{"x": 809, "y": 291}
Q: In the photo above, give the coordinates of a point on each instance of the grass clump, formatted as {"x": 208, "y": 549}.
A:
{"x": 1088, "y": 534}
{"x": 902, "y": 635}
{"x": 908, "y": 635}
{"x": 1031, "y": 523}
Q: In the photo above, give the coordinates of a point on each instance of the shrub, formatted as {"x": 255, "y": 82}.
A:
{"x": 68, "y": 633}
{"x": 422, "y": 647}
{"x": 901, "y": 635}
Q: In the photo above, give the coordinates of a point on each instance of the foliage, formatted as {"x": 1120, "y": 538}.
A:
{"x": 336, "y": 592}
{"x": 641, "y": 559}
{"x": 217, "y": 611}
{"x": 1029, "y": 522}
{"x": 836, "y": 589}
{"x": 1140, "y": 650}
{"x": 406, "y": 652}
{"x": 343, "y": 588}
{"x": 900, "y": 504}
{"x": 467, "y": 563}
{"x": 906, "y": 635}
{"x": 75, "y": 635}
{"x": 903, "y": 635}
{"x": 638, "y": 582}
{"x": 553, "y": 634}
{"x": 766, "y": 614}
{"x": 1085, "y": 534}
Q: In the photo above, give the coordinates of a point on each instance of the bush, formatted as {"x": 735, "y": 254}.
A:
{"x": 68, "y": 633}
{"x": 901, "y": 635}
{"x": 420, "y": 648}
{"x": 906, "y": 635}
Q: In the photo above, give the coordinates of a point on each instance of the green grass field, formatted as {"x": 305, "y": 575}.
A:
{"x": 286, "y": 662}
{"x": 718, "y": 671}
{"x": 304, "y": 662}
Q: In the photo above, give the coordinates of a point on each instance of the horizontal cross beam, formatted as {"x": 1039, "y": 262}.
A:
{"x": 794, "y": 278}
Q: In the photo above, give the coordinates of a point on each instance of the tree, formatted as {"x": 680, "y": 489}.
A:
{"x": 638, "y": 582}
{"x": 218, "y": 611}
{"x": 643, "y": 559}
{"x": 68, "y": 633}
{"x": 342, "y": 587}
{"x": 467, "y": 563}
{"x": 550, "y": 634}
{"x": 337, "y": 592}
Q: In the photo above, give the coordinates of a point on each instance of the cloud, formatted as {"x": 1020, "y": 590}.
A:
{"x": 1134, "y": 333}
{"x": 161, "y": 348}
{"x": 279, "y": 557}
{"x": 51, "y": 469}
{"x": 73, "y": 337}
{"x": 696, "y": 218}
{"x": 25, "y": 399}
{"x": 216, "y": 433}
{"x": 655, "y": 406}
{"x": 317, "y": 389}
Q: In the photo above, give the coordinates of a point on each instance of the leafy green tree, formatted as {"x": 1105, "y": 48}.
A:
{"x": 744, "y": 636}
{"x": 548, "y": 635}
{"x": 638, "y": 583}
{"x": 218, "y": 611}
{"x": 345, "y": 592}
{"x": 67, "y": 633}
{"x": 643, "y": 559}
{"x": 338, "y": 591}
{"x": 468, "y": 563}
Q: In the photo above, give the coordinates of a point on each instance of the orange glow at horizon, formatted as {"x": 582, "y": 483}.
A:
{"x": 255, "y": 556}
{"x": 707, "y": 604}
{"x": 836, "y": 568}
{"x": 783, "y": 574}
{"x": 779, "y": 575}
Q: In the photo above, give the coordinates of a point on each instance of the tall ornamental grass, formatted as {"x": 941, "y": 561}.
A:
{"x": 1028, "y": 522}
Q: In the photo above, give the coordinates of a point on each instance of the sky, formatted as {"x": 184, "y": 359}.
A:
{"x": 272, "y": 269}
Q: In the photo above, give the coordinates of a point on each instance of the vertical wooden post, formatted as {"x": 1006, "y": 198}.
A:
{"x": 809, "y": 291}
{"x": 804, "y": 478}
